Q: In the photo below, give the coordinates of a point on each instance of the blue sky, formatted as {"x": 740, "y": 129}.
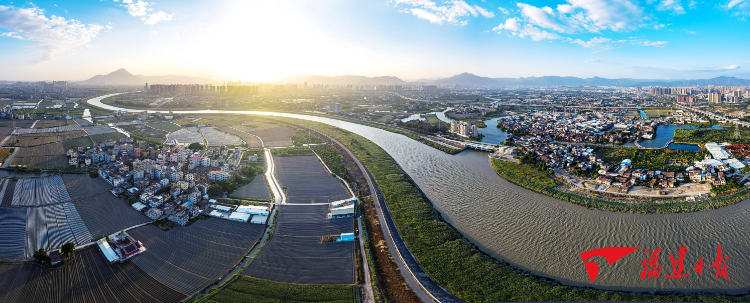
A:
{"x": 411, "y": 39}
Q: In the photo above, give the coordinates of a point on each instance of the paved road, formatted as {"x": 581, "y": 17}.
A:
{"x": 420, "y": 282}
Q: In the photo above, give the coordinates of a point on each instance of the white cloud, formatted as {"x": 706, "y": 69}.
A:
{"x": 731, "y": 67}
{"x": 510, "y": 24}
{"x": 139, "y": 8}
{"x": 594, "y": 60}
{"x": 55, "y": 35}
{"x": 157, "y": 17}
{"x": 690, "y": 32}
{"x": 504, "y": 10}
{"x": 671, "y": 5}
{"x": 651, "y": 43}
{"x": 738, "y": 8}
{"x": 453, "y": 12}
{"x": 536, "y": 34}
{"x": 734, "y": 3}
{"x": 587, "y": 16}
{"x": 598, "y": 42}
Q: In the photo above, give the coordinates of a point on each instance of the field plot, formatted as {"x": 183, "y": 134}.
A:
{"x": 257, "y": 189}
{"x": 36, "y": 139}
{"x": 5, "y": 132}
{"x": 6, "y": 191}
{"x": 271, "y": 134}
{"x": 58, "y": 230}
{"x": 12, "y": 232}
{"x": 47, "y": 155}
{"x": 187, "y": 135}
{"x": 56, "y": 129}
{"x": 40, "y": 191}
{"x": 148, "y": 132}
{"x": 36, "y": 231}
{"x": 207, "y": 250}
{"x": 79, "y": 229}
{"x": 108, "y": 136}
{"x": 248, "y": 289}
{"x": 82, "y": 186}
{"x": 219, "y": 120}
{"x": 12, "y": 279}
{"x": 307, "y": 181}
{"x": 4, "y": 154}
{"x": 219, "y": 138}
{"x": 252, "y": 140}
{"x": 50, "y": 123}
{"x": 99, "y": 129}
{"x": 105, "y": 214}
{"x": 77, "y": 142}
{"x": 165, "y": 126}
{"x": 82, "y": 122}
{"x": 16, "y": 123}
{"x": 295, "y": 254}
{"x": 90, "y": 278}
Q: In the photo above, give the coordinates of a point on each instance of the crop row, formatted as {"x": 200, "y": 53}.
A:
{"x": 247, "y": 289}
{"x": 104, "y": 214}
{"x": 29, "y": 140}
{"x": 40, "y": 191}
{"x": 307, "y": 181}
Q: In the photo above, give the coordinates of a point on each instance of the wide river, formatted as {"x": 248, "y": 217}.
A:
{"x": 546, "y": 236}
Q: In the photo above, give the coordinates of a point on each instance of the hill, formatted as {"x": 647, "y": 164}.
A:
{"x": 123, "y": 77}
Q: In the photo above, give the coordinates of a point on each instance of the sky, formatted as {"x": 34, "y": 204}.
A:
{"x": 253, "y": 40}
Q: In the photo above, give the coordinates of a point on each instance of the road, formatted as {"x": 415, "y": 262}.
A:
{"x": 420, "y": 282}
{"x": 278, "y": 193}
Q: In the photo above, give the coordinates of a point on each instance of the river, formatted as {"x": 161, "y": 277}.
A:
{"x": 545, "y": 235}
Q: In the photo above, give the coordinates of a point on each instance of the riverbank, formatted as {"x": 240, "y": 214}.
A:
{"x": 452, "y": 260}
{"x": 541, "y": 181}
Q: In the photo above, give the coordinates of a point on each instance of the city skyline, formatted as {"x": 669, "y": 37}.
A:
{"x": 409, "y": 39}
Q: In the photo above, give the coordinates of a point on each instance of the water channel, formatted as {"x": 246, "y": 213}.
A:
{"x": 546, "y": 236}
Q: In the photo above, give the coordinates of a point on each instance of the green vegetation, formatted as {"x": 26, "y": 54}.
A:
{"x": 195, "y": 146}
{"x": 41, "y": 256}
{"x": 68, "y": 250}
{"x": 479, "y": 124}
{"x": 701, "y": 136}
{"x": 292, "y": 151}
{"x": 248, "y": 289}
{"x": 5, "y": 153}
{"x": 219, "y": 188}
{"x": 454, "y": 262}
{"x": 108, "y": 136}
{"x": 167, "y": 126}
{"x": 152, "y": 142}
{"x": 74, "y": 143}
{"x": 305, "y": 137}
{"x": 333, "y": 159}
{"x": 652, "y": 159}
{"x": 729, "y": 186}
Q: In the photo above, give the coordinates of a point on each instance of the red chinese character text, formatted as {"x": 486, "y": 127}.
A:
{"x": 721, "y": 265}
{"x": 651, "y": 267}
{"x": 677, "y": 265}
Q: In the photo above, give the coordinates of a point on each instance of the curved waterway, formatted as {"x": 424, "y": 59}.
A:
{"x": 546, "y": 236}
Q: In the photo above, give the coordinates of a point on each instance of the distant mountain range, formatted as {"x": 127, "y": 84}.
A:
{"x": 471, "y": 80}
{"x": 122, "y": 76}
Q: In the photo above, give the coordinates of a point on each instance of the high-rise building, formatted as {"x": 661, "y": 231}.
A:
{"x": 714, "y": 98}
{"x": 337, "y": 108}
{"x": 145, "y": 89}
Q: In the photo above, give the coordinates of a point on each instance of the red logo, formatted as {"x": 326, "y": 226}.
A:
{"x": 612, "y": 254}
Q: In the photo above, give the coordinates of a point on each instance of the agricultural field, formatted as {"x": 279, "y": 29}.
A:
{"x": 82, "y": 122}
{"x": 4, "y": 154}
{"x": 307, "y": 181}
{"x": 219, "y": 138}
{"x": 98, "y": 129}
{"x": 251, "y": 140}
{"x": 165, "y": 126}
{"x": 257, "y": 189}
{"x": 16, "y": 123}
{"x": 83, "y": 187}
{"x": 219, "y": 120}
{"x": 77, "y": 142}
{"x": 88, "y": 278}
{"x": 143, "y": 130}
{"x": 207, "y": 250}
{"x": 333, "y": 159}
{"x": 50, "y": 123}
{"x": 51, "y": 226}
{"x": 35, "y": 139}
{"x": 248, "y": 289}
{"x": 116, "y": 136}
{"x": 13, "y": 276}
{"x": 187, "y": 135}
{"x": 38, "y": 191}
{"x": 104, "y": 214}
{"x": 48, "y": 155}
{"x": 4, "y": 132}
{"x": 13, "y": 235}
{"x": 306, "y": 260}
{"x": 271, "y": 134}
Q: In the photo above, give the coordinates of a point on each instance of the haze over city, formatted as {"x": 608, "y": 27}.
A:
{"x": 410, "y": 39}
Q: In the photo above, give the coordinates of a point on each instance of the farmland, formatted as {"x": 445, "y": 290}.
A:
{"x": 251, "y": 140}
{"x": 34, "y": 139}
{"x": 148, "y": 132}
{"x": 306, "y": 260}
{"x": 50, "y": 155}
{"x": 247, "y": 289}
{"x": 82, "y": 186}
{"x": 219, "y": 138}
{"x": 77, "y": 142}
{"x": 307, "y": 181}
{"x": 90, "y": 278}
{"x": 13, "y": 235}
{"x": 187, "y": 135}
{"x": 271, "y": 134}
{"x": 165, "y": 126}
{"x": 257, "y": 189}
{"x": 104, "y": 214}
{"x": 50, "y": 123}
{"x": 98, "y": 129}
{"x": 107, "y": 136}
{"x": 333, "y": 159}
{"x": 207, "y": 250}
{"x": 4, "y": 154}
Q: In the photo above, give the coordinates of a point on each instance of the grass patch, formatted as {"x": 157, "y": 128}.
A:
{"x": 334, "y": 160}
{"x": 292, "y": 151}
{"x": 701, "y": 136}
{"x": 166, "y": 126}
{"x": 5, "y": 153}
{"x": 84, "y": 142}
{"x": 108, "y": 136}
{"x": 653, "y": 159}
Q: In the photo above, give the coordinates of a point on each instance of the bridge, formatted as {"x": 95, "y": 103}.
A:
{"x": 481, "y": 146}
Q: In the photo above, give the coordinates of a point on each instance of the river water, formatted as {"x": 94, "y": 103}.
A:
{"x": 546, "y": 236}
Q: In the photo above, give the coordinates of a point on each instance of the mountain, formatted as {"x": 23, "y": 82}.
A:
{"x": 467, "y": 79}
{"x": 343, "y": 80}
{"x": 122, "y": 76}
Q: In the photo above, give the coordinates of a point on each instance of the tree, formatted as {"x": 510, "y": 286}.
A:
{"x": 195, "y": 146}
{"x": 41, "y": 255}
{"x": 215, "y": 190}
{"x": 94, "y": 174}
{"x": 68, "y": 249}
